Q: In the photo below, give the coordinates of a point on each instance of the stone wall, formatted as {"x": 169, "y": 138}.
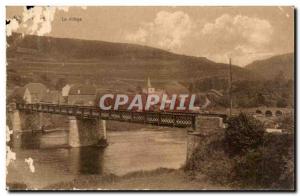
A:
{"x": 205, "y": 129}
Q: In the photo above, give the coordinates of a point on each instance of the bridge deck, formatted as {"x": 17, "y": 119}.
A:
{"x": 170, "y": 119}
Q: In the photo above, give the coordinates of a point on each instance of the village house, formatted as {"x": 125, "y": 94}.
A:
{"x": 215, "y": 93}
{"x": 209, "y": 100}
{"x": 34, "y": 92}
{"x": 17, "y": 95}
{"x": 30, "y": 93}
{"x": 65, "y": 90}
{"x": 81, "y": 94}
{"x": 52, "y": 97}
{"x": 65, "y": 93}
{"x": 150, "y": 90}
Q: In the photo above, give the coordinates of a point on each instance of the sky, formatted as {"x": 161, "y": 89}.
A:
{"x": 243, "y": 34}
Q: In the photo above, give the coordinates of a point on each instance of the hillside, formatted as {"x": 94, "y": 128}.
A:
{"x": 31, "y": 57}
{"x": 272, "y": 67}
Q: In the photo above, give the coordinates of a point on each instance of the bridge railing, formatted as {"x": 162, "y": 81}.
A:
{"x": 171, "y": 119}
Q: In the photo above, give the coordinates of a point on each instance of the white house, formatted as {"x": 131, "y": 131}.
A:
{"x": 65, "y": 90}
{"x": 27, "y": 96}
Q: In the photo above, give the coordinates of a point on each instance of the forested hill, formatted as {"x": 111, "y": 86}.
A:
{"x": 274, "y": 66}
{"x": 114, "y": 60}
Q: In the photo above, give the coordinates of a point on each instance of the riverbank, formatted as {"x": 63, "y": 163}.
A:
{"x": 159, "y": 179}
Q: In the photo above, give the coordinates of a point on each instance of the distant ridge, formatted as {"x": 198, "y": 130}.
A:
{"x": 71, "y": 58}
{"x": 271, "y": 67}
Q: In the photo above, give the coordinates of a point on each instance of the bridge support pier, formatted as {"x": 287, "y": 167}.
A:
{"x": 86, "y": 132}
{"x": 15, "y": 118}
{"x": 205, "y": 130}
{"x": 22, "y": 121}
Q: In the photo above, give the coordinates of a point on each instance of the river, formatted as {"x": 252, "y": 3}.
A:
{"x": 128, "y": 151}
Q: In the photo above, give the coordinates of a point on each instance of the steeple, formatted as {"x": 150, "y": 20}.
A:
{"x": 148, "y": 82}
{"x": 150, "y": 89}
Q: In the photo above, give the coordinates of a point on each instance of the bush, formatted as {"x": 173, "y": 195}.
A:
{"x": 278, "y": 161}
{"x": 211, "y": 160}
{"x": 286, "y": 123}
{"x": 270, "y": 166}
{"x": 247, "y": 170}
{"x": 243, "y": 134}
{"x": 252, "y": 158}
{"x": 282, "y": 103}
{"x": 260, "y": 160}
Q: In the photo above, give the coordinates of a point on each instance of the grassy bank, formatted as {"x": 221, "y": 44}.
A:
{"x": 159, "y": 179}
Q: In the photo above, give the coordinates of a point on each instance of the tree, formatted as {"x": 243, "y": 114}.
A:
{"x": 279, "y": 79}
{"x": 45, "y": 79}
{"x": 281, "y": 103}
{"x": 260, "y": 99}
{"x": 61, "y": 82}
{"x": 243, "y": 133}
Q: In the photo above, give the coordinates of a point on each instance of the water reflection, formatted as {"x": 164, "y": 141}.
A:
{"x": 30, "y": 140}
{"x": 25, "y": 140}
{"x": 86, "y": 160}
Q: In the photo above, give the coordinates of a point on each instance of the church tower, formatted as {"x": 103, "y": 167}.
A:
{"x": 149, "y": 87}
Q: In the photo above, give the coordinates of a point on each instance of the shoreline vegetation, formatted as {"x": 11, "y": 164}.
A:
{"x": 246, "y": 156}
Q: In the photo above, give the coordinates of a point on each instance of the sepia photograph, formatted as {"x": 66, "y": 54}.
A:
{"x": 150, "y": 98}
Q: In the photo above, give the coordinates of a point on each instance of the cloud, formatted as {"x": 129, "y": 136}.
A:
{"x": 167, "y": 31}
{"x": 242, "y": 37}
{"x": 36, "y": 20}
{"x": 236, "y": 36}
